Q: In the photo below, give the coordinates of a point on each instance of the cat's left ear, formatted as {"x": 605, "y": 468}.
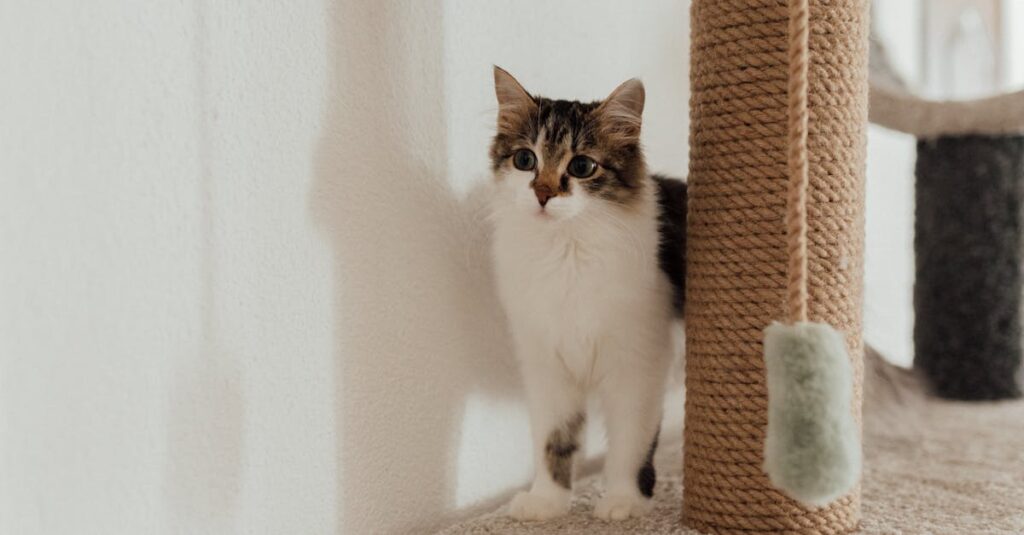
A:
{"x": 623, "y": 109}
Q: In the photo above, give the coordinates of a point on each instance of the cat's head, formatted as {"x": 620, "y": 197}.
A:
{"x": 557, "y": 159}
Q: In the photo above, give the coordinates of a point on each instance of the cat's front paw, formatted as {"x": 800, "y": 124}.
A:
{"x": 621, "y": 507}
{"x": 535, "y": 506}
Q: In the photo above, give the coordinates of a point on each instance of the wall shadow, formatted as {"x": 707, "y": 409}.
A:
{"x": 417, "y": 327}
{"x": 202, "y": 473}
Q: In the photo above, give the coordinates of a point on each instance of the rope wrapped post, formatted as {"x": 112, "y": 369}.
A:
{"x": 812, "y": 449}
{"x": 738, "y": 273}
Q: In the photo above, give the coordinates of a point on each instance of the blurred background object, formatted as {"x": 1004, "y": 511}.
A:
{"x": 944, "y": 49}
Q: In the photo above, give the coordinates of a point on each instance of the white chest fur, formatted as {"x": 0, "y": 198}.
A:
{"x": 572, "y": 288}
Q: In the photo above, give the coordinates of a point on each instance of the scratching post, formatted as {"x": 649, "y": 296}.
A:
{"x": 967, "y": 291}
{"x": 737, "y": 246}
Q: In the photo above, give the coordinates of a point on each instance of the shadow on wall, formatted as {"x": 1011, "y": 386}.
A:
{"x": 205, "y": 435}
{"x": 417, "y": 326}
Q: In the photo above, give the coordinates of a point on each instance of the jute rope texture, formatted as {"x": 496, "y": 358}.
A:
{"x": 738, "y": 245}
{"x": 796, "y": 215}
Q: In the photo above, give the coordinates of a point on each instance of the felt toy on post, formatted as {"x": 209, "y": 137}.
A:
{"x": 812, "y": 448}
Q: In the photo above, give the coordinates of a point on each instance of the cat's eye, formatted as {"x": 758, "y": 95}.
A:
{"x": 582, "y": 166}
{"x": 524, "y": 160}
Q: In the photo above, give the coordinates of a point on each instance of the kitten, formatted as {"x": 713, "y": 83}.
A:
{"x": 589, "y": 260}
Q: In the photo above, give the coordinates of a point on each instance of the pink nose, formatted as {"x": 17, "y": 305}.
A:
{"x": 543, "y": 194}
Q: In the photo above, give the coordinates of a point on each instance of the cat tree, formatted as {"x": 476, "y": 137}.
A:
{"x": 969, "y": 193}
{"x": 737, "y": 243}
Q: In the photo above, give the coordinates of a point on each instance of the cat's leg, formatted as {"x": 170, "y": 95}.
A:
{"x": 556, "y": 419}
{"x": 631, "y": 395}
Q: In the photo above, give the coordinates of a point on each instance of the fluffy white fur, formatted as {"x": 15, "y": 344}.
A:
{"x": 812, "y": 449}
{"x": 590, "y": 312}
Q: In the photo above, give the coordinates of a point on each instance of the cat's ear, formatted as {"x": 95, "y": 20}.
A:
{"x": 621, "y": 112}
{"x": 513, "y": 101}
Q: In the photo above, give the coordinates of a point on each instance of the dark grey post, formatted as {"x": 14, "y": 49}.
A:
{"x": 967, "y": 294}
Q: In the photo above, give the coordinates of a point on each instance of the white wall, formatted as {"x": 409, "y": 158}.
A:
{"x": 243, "y": 277}
{"x": 889, "y": 221}
{"x": 1013, "y": 60}
{"x": 167, "y": 340}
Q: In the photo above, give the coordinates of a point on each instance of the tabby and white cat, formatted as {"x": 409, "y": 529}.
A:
{"x": 589, "y": 259}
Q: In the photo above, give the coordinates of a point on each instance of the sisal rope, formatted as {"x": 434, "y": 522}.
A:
{"x": 796, "y": 214}
{"x": 738, "y": 257}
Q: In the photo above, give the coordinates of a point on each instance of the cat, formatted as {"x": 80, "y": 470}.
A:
{"x": 589, "y": 258}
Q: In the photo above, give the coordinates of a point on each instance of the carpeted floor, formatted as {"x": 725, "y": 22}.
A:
{"x": 931, "y": 467}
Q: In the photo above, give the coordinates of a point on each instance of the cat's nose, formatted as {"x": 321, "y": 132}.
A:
{"x": 543, "y": 194}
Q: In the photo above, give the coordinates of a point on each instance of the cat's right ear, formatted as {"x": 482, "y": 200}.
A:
{"x": 513, "y": 101}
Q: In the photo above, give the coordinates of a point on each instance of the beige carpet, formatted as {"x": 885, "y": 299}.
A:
{"x": 931, "y": 467}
